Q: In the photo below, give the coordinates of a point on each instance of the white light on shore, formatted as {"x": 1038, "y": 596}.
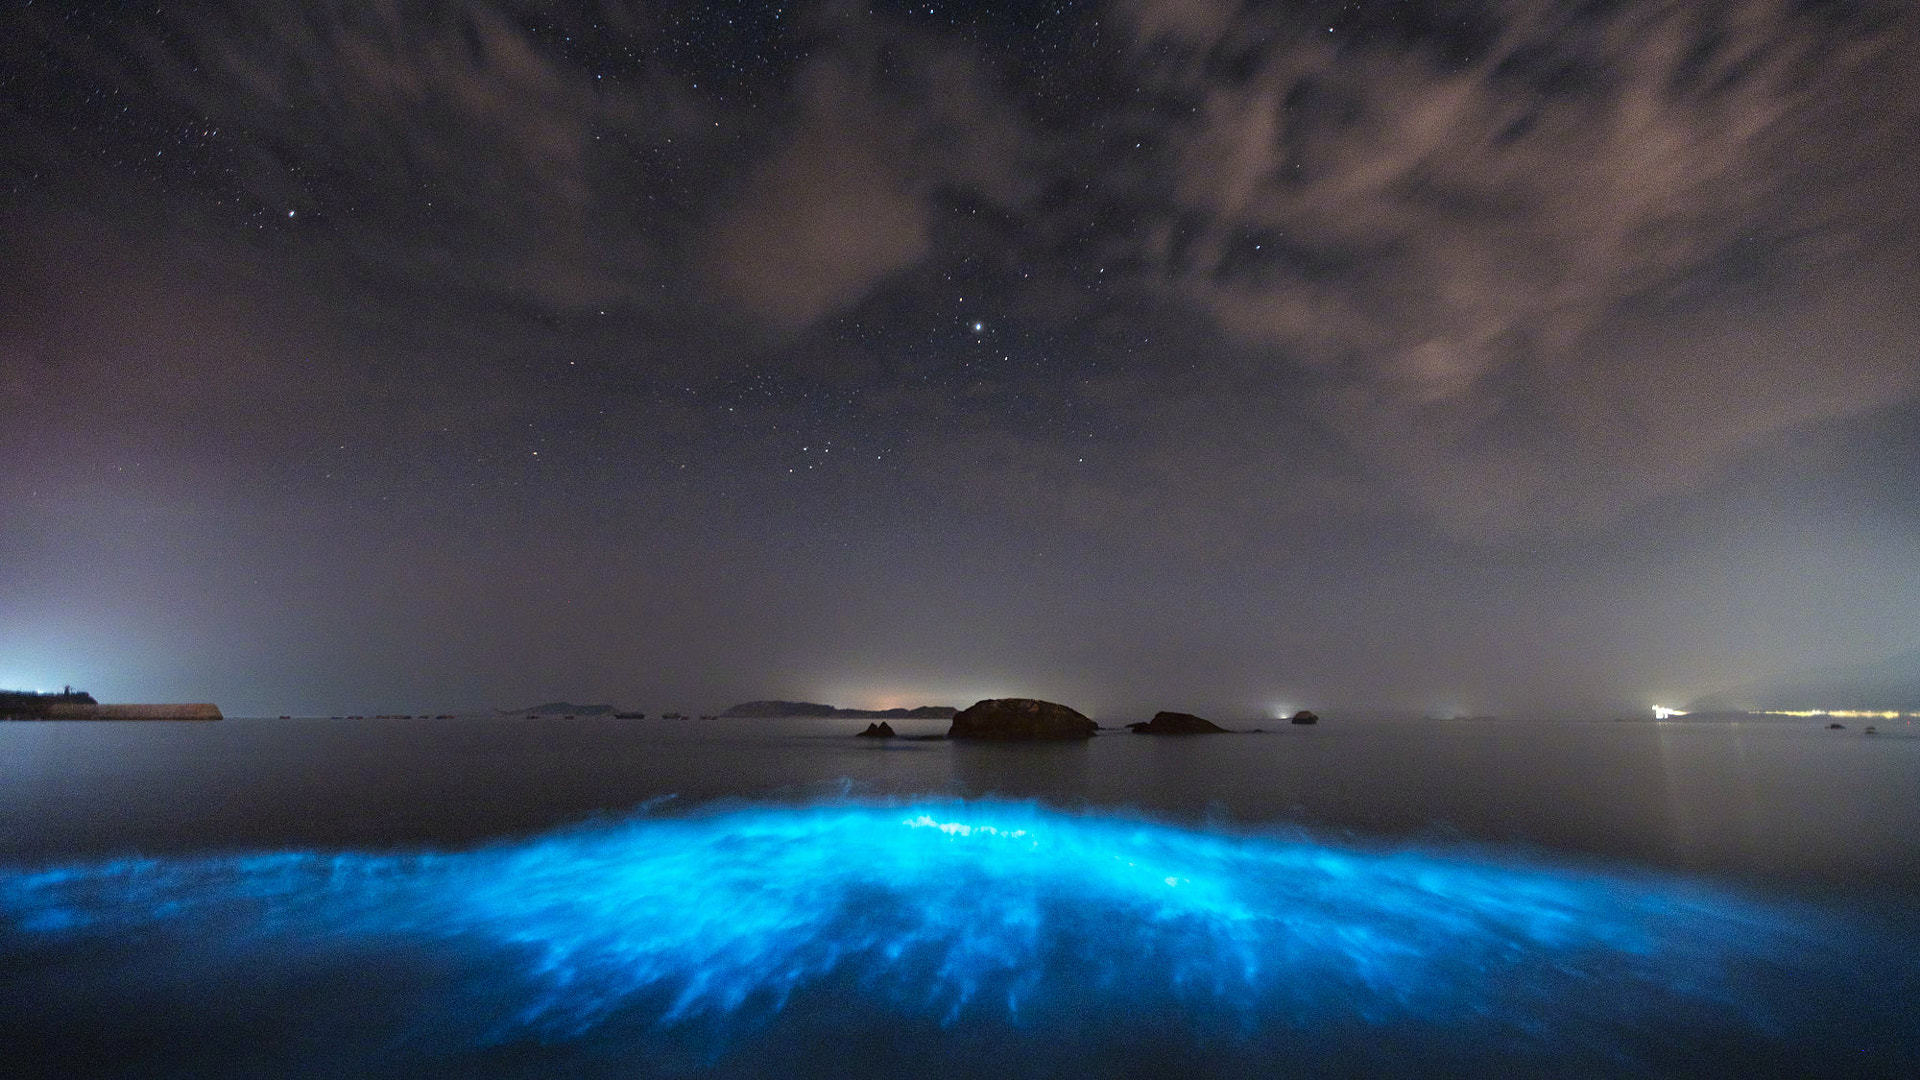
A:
{"x": 1662, "y": 712}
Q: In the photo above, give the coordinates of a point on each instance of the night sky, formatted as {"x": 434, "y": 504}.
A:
{"x": 1476, "y": 355}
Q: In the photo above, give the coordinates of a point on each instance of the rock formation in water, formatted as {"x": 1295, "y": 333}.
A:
{"x": 1304, "y": 717}
{"x": 1176, "y": 723}
{"x": 881, "y": 730}
{"x": 1019, "y": 719}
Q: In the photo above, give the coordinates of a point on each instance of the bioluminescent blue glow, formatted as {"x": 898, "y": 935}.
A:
{"x": 979, "y": 916}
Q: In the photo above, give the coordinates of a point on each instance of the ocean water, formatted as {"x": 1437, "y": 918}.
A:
{"x": 487, "y": 897}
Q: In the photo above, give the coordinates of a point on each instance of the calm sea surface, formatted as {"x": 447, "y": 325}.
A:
{"x": 1780, "y": 801}
{"x": 516, "y": 897}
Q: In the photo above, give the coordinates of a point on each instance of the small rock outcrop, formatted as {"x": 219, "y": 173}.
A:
{"x": 1019, "y": 719}
{"x": 1304, "y": 717}
{"x": 1836, "y": 727}
{"x": 881, "y": 730}
{"x": 1176, "y": 723}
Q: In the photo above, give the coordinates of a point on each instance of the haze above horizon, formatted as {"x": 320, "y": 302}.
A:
{"x": 1450, "y": 356}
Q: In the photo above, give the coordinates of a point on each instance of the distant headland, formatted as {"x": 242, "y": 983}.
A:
{"x": 1034, "y": 720}
{"x": 562, "y": 708}
{"x": 71, "y": 704}
{"x": 768, "y": 709}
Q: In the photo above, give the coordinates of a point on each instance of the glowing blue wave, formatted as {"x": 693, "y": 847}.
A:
{"x": 954, "y": 914}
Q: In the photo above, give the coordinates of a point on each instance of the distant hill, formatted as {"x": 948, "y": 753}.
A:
{"x": 780, "y": 708}
{"x": 561, "y": 708}
{"x": 810, "y": 708}
{"x": 1892, "y": 683}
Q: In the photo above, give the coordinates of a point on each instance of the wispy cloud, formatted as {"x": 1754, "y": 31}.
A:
{"x": 1471, "y": 230}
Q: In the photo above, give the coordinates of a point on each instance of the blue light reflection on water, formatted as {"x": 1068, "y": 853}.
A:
{"x": 976, "y": 916}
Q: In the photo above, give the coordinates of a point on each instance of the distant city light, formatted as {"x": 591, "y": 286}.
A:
{"x": 1664, "y": 712}
{"x": 1846, "y": 714}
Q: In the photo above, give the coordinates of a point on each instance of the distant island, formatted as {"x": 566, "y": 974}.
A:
{"x": 766, "y": 709}
{"x": 71, "y": 704}
{"x": 561, "y": 708}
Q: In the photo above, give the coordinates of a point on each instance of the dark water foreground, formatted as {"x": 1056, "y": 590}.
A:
{"x": 927, "y": 938}
{"x": 480, "y": 897}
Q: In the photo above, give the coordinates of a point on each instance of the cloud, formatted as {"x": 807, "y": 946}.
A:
{"x": 450, "y": 143}
{"x": 466, "y": 146}
{"x": 827, "y": 214}
{"x": 1529, "y": 264}
{"x": 1679, "y": 397}
{"x": 886, "y": 124}
{"x": 1460, "y": 231}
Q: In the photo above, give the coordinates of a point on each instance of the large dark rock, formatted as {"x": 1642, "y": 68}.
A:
{"x": 1176, "y": 723}
{"x": 1019, "y": 719}
{"x": 881, "y": 730}
{"x": 1304, "y": 717}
